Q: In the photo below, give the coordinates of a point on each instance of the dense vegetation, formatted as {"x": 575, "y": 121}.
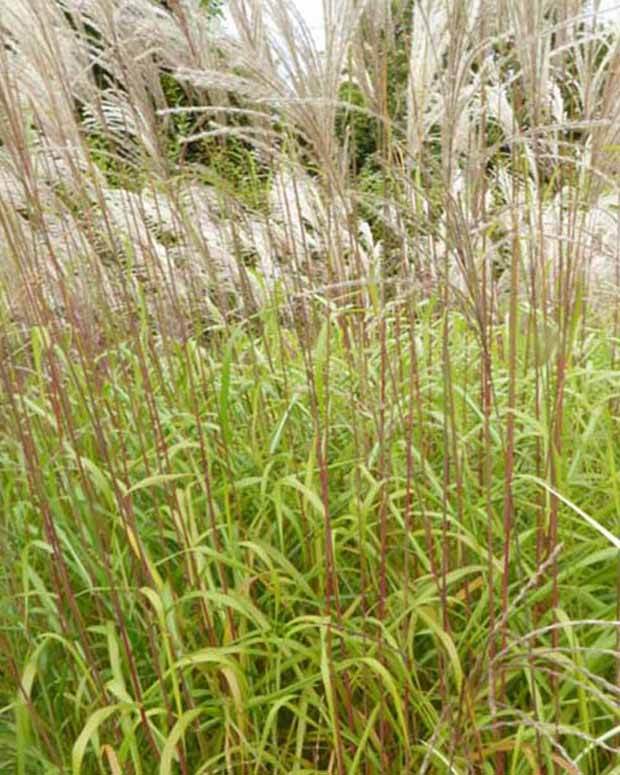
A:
{"x": 309, "y": 388}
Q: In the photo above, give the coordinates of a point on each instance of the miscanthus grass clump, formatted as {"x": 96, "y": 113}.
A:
{"x": 309, "y": 388}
